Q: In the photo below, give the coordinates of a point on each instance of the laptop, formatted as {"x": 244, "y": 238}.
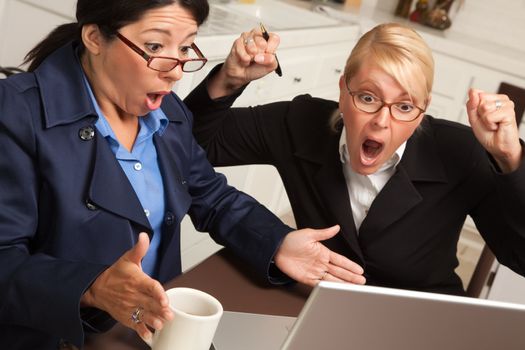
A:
{"x": 343, "y": 316}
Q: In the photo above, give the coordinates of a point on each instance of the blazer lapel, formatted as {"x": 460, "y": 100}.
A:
{"x": 331, "y": 188}
{"x": 420, "y": 163}
{"x": 395, "y": 199}
{"x": 110, "y": 188}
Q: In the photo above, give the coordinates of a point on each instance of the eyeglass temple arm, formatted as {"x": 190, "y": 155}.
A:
{"x": 197, "y": 50}
{"x": 134, "y": 47}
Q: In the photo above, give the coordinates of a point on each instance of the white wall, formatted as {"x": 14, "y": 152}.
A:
{"x": 502, "y": 22}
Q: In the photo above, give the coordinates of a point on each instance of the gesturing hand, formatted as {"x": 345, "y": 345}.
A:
{"x": 251, "y": 57}
{"x": 124, "y": 287}
{"x": 304, "y": 258}
{"x": 493, "y": 122}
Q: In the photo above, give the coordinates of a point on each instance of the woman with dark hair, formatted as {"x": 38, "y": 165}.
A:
{"x": 99, "y": 167}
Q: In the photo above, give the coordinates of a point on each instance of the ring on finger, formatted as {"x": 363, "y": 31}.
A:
{"x": 498, "y": 104}
{"x": 248, "y": 40}
{"x": 323, "y": 276}
{"x": 136, "y": 315}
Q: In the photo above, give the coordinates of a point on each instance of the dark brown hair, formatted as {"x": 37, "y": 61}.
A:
{"x": 109, "y": 16}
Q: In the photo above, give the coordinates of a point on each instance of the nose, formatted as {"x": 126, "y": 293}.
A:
{"x": 173, "y": 75}
{"x": 382, "y": 117}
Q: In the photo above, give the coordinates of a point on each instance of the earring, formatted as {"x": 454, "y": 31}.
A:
{"x": 341, "y": 115}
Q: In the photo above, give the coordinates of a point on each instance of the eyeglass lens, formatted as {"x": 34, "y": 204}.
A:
{"x": 371, "y": 104}
{"x": 190, "y": 62}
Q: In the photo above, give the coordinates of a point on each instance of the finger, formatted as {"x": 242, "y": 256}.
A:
{"x": 331, "y": 278}
{"x": 252, "y": 47}
{"x": 346, "y": 275}
{"x": 140, "y": 249}
{"x": 491, "y": 109}
{"x": 324, "y": 234}
{"x": 152, "y": 320}
{"x": 143, "y": 331}
{"x": 154, "y": 308}
{"x": 155, "y": 290}
{"x": 153, "y": 298}
{"x": 240, "y": 53}
{"x": 473, "y": 101}
{"x": 491, "y": 102}
{"x": 266, "y": 59}
{"x": 345, "y": 263}
{"x": 273, "y": 43}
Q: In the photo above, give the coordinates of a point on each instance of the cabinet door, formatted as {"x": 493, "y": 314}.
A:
{"x": 332, "y": 67}
{"x": 23, "y": 26}
{"x": 452, "y": 79}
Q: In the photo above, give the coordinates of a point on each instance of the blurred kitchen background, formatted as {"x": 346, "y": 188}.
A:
{"x": 476, "y": 43}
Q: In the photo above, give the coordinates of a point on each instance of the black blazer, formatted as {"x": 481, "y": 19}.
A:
{"x": 409, "y": 237}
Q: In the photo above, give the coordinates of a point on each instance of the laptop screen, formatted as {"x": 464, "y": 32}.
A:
{"x": 343, "y": 316}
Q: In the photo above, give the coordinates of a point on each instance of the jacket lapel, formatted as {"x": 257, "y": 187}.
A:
{"x": 331, "y": 188}
{"x": 110, "y": 188}
{"x": 420, "y": 163}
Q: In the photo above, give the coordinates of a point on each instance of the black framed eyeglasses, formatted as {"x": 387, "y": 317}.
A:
{"x": 195, "y": 59}
{"x": 369, "y": 103}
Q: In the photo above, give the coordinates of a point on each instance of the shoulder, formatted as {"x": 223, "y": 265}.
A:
{"x": 307, "y": 124}
{"x": 19, "y": 101}
{"x": 311, "y": 114}
{"x": 18, "y": 83}
{"x": 454, "y": 141}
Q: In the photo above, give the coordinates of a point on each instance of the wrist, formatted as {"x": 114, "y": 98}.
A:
{"x": 223, "y": 84}
{"x": 510, "y": 161}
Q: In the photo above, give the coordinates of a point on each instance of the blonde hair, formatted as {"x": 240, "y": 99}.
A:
{"x": 400, "y": 52}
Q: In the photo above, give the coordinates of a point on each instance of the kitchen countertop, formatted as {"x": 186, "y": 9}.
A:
{"x": 287, "y": 17}
{"x": 477, "y": 50}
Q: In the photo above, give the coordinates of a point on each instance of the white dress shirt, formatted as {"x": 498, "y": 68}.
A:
{"x": 363, "y": 189}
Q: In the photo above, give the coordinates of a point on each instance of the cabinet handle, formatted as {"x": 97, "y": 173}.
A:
{"x": 297, "y": 80}
{"x": 338, "y": 70}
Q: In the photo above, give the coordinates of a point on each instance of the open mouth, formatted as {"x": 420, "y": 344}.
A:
{"x": 154, "y": 100}
{"x": 370, "y": 151}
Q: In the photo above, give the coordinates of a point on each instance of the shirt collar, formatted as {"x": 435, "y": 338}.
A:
{"x": 392, "y": 162}
{"x": 155, "y": 121}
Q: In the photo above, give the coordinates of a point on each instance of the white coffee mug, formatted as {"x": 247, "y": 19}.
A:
{"x": 196, "y": 317}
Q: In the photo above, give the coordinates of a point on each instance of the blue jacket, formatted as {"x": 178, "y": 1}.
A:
{"x": 68, "y": 211}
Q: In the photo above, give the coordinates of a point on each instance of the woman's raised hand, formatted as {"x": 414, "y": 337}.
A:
{"x": 493, "y": 121}
{"x": 251, "y": 57}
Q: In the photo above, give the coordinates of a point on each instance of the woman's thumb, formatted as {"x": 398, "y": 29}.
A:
{"x": 325, "y": 233}
{"x": 140, "y": 249}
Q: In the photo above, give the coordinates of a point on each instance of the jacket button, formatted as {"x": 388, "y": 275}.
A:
{"x": 90, "y": 205}
{"x": 169, "y": 218}
{"x": 86, "y": 133}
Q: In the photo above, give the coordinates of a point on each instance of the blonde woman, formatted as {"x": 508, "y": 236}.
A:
{"x": 399, "y": 183}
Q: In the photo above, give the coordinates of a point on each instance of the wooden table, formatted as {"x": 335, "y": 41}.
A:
{"x": 234, "y": 285}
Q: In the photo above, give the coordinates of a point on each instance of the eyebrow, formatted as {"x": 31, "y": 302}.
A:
{"x": 167, "y": 32}
{"x": 376, "y": 87}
